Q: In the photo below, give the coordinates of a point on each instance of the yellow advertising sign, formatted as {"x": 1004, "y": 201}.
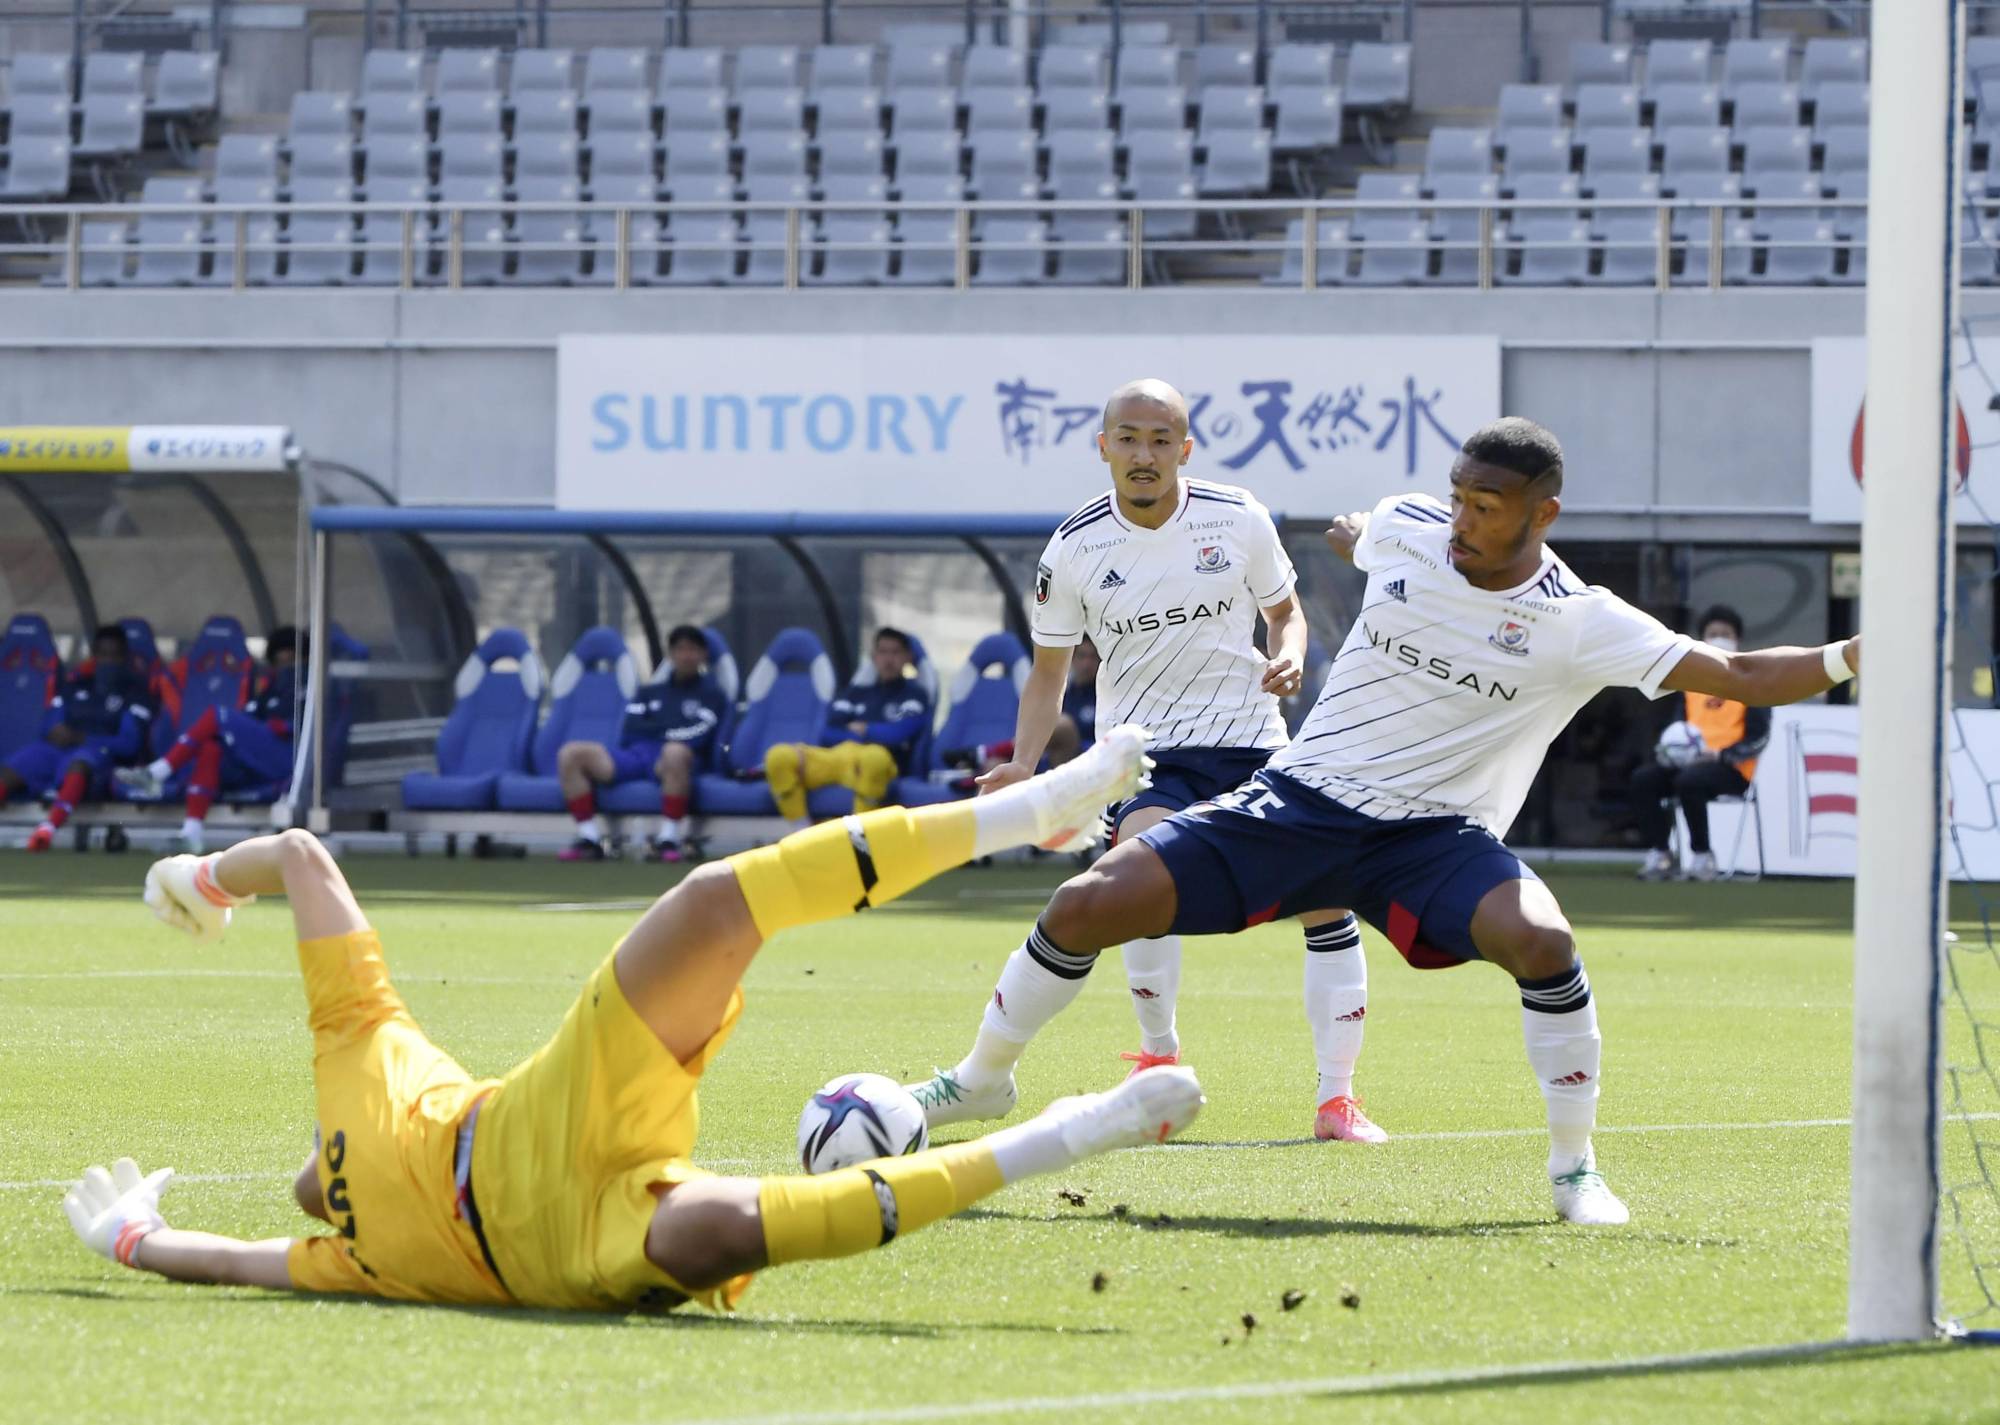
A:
{"x": 102, "y": 449}
{"x": 192, "y": 450}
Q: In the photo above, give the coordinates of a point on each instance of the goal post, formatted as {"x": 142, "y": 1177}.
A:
{"x": 1899, "y": 912}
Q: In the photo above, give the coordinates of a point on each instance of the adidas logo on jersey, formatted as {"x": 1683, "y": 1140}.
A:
{"x": 1394, "y": 589}
{"x": 1111, "y": 580}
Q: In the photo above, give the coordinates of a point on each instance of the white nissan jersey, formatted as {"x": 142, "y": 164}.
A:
{"x": 1171, "y": 611}
{"x": 1445, "y": 697}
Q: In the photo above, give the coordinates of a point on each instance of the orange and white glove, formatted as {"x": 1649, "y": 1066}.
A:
{"x": 182, "y": 891}
{"x": 114, "y": 1210}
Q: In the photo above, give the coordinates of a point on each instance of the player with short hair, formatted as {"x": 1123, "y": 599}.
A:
{"x": 232, "y": 746}
{"x": 99, "y": 717}
{"x": 1166, "y": 575}
{"x": 668, "y": 733}
{"x": 1475, "y": 644}
{"x": 871, "y": 729}
{"x": 568, "y": 1183}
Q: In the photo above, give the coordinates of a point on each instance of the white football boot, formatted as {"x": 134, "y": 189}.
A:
{"x": 945, "y": 1100}
{"x": 1582, "y": 1197}
{"x": 1070, "y": 800}
{"x": 1147, "y": 1108}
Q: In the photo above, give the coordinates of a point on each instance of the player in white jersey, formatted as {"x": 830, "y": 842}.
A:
{"x": 1474, "y": 646}
{"x": 1167, "y": 577}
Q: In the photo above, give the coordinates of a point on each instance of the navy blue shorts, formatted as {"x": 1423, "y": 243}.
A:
{"x": 1183, "y": 776}
{"x": 256, "y": 754}
{"x": 1277, "y": 848}
{"x": 635, "y": 760}
{"x": 41, "y": 765}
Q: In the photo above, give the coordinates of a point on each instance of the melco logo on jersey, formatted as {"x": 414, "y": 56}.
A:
{"x": 1211, "y": 559}
{"x": 1510, "y": 637}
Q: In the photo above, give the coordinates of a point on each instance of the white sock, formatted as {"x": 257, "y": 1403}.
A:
{"x": 1336, "y": 1002}
{"x": 1028, "y": 1148}
{"x": 1559, "y": 1023}
{"x": 1004, "y": 820}
{"x": 1153, "y": 971}
{"x": 673, "y": 828}
{"x": 590, "y": 829}
{"x": 160, "y": 768}
{"x": 1036, "y": 984}
{"x": 191, "y": 828}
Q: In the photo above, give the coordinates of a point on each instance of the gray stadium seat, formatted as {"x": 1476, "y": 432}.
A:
{"x": 187, "y": 85}
{"x": 684, "y": 68}
{"x": 398, "y": 116}
{"x": 1692, "y": 149}
{"x": 1080, "y": 186}
{"x": 927, "y": 155}
{"x": 1595, "y": 62}
{"x": 472, "y": 113}
{"x": 1845, "y": 152}
{"x": 169, "y": 243}
{"x": 395, "y": 160}
{"x": 842, "y": 67}
{"x": 548, "y": 247}
{"x": 1233, "y": 110}
{"x": 252, "y": 156}
{"x": 316, "y": 112}
{"x": 1299, "y": 64}
{"x": 1166, "y": 182}
{"x": 919, "y": 65}
{"x": 1378, "y": 76}
{"x": 482, "y": 233}
{"x": 926, "y": 241}
{"x": 1529, "y": 106}
{"x": 38, "y": 116}
{"x": 114, "y": 126}
{"x": 1774, "y": 152}
{"x": 764, "y": 231}
{"x": 618, "y": 111}
{"x": 1224, "y": 64}
{"x": 544, "y": 111}
{"x": 610, "y": 68}
{"x": 1832, "y": 61}
{"x": 1617, "y": 150}
{"x": 856, "y": 111}
{"x": 1982, "y": 59}
{"x": 1012, "y": 251}
{"x": 1237, "y": 162}
{"x": 382, "y": 232}
{"x": 1679, "y": 62}
{"x": 1456, "y": 230}
{"x": 765, "y": 67}
{"x": 1761, "y": 105}
{"x": 546, "y": 156}
{"x": 1628, "y": 238}
{"x": 110, "y": 72}
{"x": 702, "y": 155}
{"x": 471, "y": 156}
{"x": 1334, "y": 247}
{"x": 1607, "y": 106}
{"x": 1309, "y": 117}
{"x": 1841, "y": 103}
{"x": 1132, "y": 32}
{"x": 39, "y": 74}
{"x": 996, "y": 110}
{"x": 701, "y": 249}
{"x": 541, "y": 71}
{"x": 1147, "y": 67}
{"x": 773, "y": 155}
{"x": 1075, "y": 111}
{"x": 850, "y": 154}
{"x": 1401, "y": 188}
{"x": 1755, "y": 61}
{"x": 1160, "y": 111}
{"x": 1001, "y": 161}
{"x": 695, "y": 111}
{"x": 1071, "y": 68}
{"x": 1092, "y": 252}
{"x": 37, "y": 167}
{"x": 1393, "y": 254}
{"x": 468, "y": 71}
{"x": 260, "y": 233}
{"x": 1691, "y": 228}
{"x": 627, "y": 156}
{"x": 320, "y": 158}
{"x": 770, "y": 111}
{"x": 1452, "y": 150}
{"x": 1534, "y": 151}
{"x": 642, "y": 230}
{"x": 1850, "y": 223}
{"x": 706, "y": 188}
{"x": 1686, "y": 106}
{"x": 391, "y": 71}
{"x": 1799, "y": 243}
{"x": 319, "y": 247}
{"x": 1553, "y": 243}
{"x": 993, "y": 67}
{"x": 855, "y": 188}
{"x": 1081, "y": 154}
{"x": 921, "y": 111}
{"x": 855, "y": 250}
{"x": 107, "y": 255}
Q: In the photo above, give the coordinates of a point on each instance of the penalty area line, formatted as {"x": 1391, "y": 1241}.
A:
{"x": 1389, "y": 1384}
{"x": 1462, "y": 1134}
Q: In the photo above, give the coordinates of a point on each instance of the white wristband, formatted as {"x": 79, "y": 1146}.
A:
{"x": 1834, "y": 657}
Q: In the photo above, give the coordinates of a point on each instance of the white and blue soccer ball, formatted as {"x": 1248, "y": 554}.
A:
{"x": 858, "y": 1118}
{"x": 1681, "y": 745}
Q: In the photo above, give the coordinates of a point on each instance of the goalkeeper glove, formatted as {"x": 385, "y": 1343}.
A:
{"x": 182, "y": 892}
{"x": 114, "y": 1211}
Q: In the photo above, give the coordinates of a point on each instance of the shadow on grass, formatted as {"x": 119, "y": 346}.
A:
{"x": 1269, "y": 1228}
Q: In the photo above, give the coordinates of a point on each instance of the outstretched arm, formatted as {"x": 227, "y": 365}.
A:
{"x": 116, "y": 1213}
{"x": 210, "y": 1260}
{"x": 1764, "y": 677}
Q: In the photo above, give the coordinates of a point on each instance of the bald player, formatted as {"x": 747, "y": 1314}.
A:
{"x": 1166, "y": 576}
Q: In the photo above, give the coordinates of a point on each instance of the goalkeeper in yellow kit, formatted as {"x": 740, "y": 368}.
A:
{"x": 568, "y": 1183}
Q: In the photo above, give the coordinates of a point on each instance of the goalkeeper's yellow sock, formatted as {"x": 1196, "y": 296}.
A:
{"x": 841, "y": 1213}
{"x": 848, "y": 865}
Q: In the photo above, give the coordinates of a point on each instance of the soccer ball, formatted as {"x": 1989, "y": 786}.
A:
{"x": 857, "y": 1118}
{"x": 1681, "y": 745}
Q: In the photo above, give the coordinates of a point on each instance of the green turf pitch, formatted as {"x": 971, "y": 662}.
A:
{"x": 1724, "y": 1008}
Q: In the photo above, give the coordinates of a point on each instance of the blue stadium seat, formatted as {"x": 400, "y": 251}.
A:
{"x": 1842, "y": 103}
{"x": 1152, "y": 111}
{"x": 29, "y": 670}
{"x": 315, "y": 112}
{"x": 847, "y": 155}
{"x": 610, "y": 68}
{"x": 641, "y": 796}
{"x": 1599, "y": 62}
{"x": 921, "y": 111}
{"x": 853, "y": 111}
{"x": 919, "y": 64}
{"x": 1453, "y": 150}
{"x": 1766, "y": 105}
{"x": 1224, "y": 62}
{"x": 387, "y": 72}
{"x": 1616, "y": 150}
{"x": 216, "y": 671}
{"x": 474, "y": 115}
{"x": 685, "y": 67}
{"x": 765, "y": 67}
{"x": 1671, "y": 61}
{"x": 1335, "y": 244}
{"x": 1832, "y": 61}
{"x": 1074, "y": 69}
{"x": 541, "y": 71}
{"x": 840, "y": 68}
{"x": 839, "y": 801}
{"x": 1678, "y": 106}
{"x": 1537, "y": 150}
{"x": 468, "y": 71}
{"x": 1395, "y": 245}
{"x": 37, "y": 167}
{"x": 993, "y": 67}
{"x": 1553, "y": 243}
{"x": 770, "y": 111}
{"x": 984, "y": 699}
{"x": 320, "y": 245}
{"x": 170, "y": 242}
{"x": 487, "y": 734}
{"x": 187, "y": 87}
{"x": 1011, "y": 251}
{"x": 587, "y": 697}
{"x": 1607, "y": 106}
{"x": 1143, "y": 67}
{"x": 1755, "y": 61}
{"x": 1799, "y": 243}
{"x": 1301, "y": 66}
{"x": 785, "y": 700}
{"x": 1530, "y": 106}
{"x": 855, "y": 253}
{"x": 1378, "y": 76}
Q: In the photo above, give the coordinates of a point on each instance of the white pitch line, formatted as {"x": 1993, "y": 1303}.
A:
{"x": 270, "y": 1175}
{"x": 1454, "y": 1135}
{"x": 198, "y": 974}
{"x": 1291, "y": 1389}
{"x": 585, "y": 906}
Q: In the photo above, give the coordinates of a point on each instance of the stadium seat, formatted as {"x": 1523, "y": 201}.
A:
{"x": 1694, "y": 149}
{"x": 1090, "y": 250}
{"x": 319, "y": 157}
{"x": 588, "y": 693}
{"x": 1617, "y": 150}
{"x": 612, "y": 69}
{"x": 927, "y": 242}
{"x": 29, "y": 671}
{"x": 260, "y": 231}
{"x": 863, "y": 187}
{"x": 1072, "y": 69}
{"x": 1011, "y": 250}
{"x": 386, "y": 72}
{"x": 186, "y": 87}
{"x": 684, "y": 68}
{"x": 548, "y": 246}
{"x": 785, "y": 698}
{"x": 642, "y": 228}
{"x": 773, "y": 155}
{"x": 854, "y": 251}
{"x": 999, "y": 110}
{"x": 1755, "y": 61}
{"x": 984, "y": 700}
{"x": 389, "y": 117}
{"x": 37, "y": 167}
{"x": 1308, "y": 118}
{"x": 1529, "y": 106}
{"x": 765, "y": 67}
{"x": 319, "y": 246}
{"x": 1686, "y": 106}
{"x": 841, "y": 68}
{"x": 927, "y": 155}
{"x": 541, "y": 71}
{"x": 1301, "y": 65}
{"x": 107, "y": 253}
{"x": 1691, "y": 227}
{"x": 1678, "y": 62}
{"x": 1595, "y": 62}
{"x": 110, "y": 72}
{"x": 498, "y": 690}
{"x": 1841, "y": 103}
{"x": 1607, "y": 106}
{"x": 825, "y": 802}
{"x": 469, "y": 114}
{"x": 1763, "y": 105}
{"x": 1080, "y": 156}
{"x": 850, "y": 155}
{"x": 39, "y": 74}
{"x": 701, "y": 156}
{"x": 921, "y": 111}
{"x": 1456, "y": 230}
{"x": 1628, "y": 238}
{"x": 1159, "y": 167}
{"x": 1451, "y": 150}
{"x": 38, "y": 116}
{"x": 1152, "y": 111}
{"x": 1845, "y": 152}
{"x": 1334, "y": 248}
{"x": 539, "y": 113}
{"x": 701, "y": 249}
{"x": 764, "y": 231}
{"x": 467, "y": 71}
{"x": 318, "y": 112}
{"x": 382, "y": 232}
{"x": 216, "y": 671}
{"x": 848, "y": 111}
{"x": 1131, "y": 32}
{"x": 610, "y": 112}
{"x": 1553, "y": 243}
{"x": 993, "y": 67}
{"x": 1395, "y": 246}
{"x": 1832, "y": 61}
{"x": 403, "y": 160}
{"x": 478, "y": 156}
{"x": 1143, "y": 67}
{"x": 919, "y": 65}
{"x": 1378, "y": 76}
{"x": 1001, "y": 163}
{"x": 1238, "y": 162}
{"x": 482, "y": 237}
{"x": 641, "y": 796}
{"x": 770, "y": 111}
{"x": 1223, "y": 64}
{"x": 1234, "y": 110}
{"x": 1798, "y": 243}
{"x": 1775, "y": 152}
{"x": 1534, "y": 151}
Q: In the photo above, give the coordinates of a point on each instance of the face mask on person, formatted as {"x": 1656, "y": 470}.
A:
{"x": 1724, "y": 642}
